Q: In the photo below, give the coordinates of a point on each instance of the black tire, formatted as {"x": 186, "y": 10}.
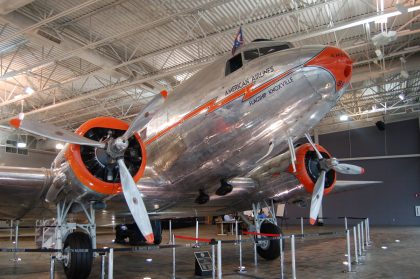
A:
{"x": 78, "y": 265}
{"x": 270, "y": 249}
{"x": 157, "y": 231}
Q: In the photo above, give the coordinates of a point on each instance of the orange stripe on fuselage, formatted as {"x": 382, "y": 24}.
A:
{"x": 212, "y": 105}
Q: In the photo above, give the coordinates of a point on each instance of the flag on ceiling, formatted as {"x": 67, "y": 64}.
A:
{"x": 239, "y": 40}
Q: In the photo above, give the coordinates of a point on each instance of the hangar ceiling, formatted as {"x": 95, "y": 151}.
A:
{"x": 68, "y": 61}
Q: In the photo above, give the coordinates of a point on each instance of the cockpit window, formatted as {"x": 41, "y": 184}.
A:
{"x": 251, "y": 54}
{"x": 233, "y": 64}
{"x": 271, "y": 49}
{"x": 255, "y": 53}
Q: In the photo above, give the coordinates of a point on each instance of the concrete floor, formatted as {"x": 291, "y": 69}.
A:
{"x": 315, "y": 258}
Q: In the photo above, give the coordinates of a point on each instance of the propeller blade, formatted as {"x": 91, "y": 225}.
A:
{"x": 348, "y": 169}
{"x": 317, "y": 195}
{"x": 135, "y": 202}
{"x": 52, "y": 132}
{"x": 313, "y": 146}
{"x": 145, "y": 115}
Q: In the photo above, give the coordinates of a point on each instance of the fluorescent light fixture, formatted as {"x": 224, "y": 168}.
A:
{"x": 384, "y": 247}
{"x": 29, "y": 90}
{"x": 59, "y": 146}
{"x": 344, "y": 117}
{"x": 378, "y": 53}
{"x": 149, "y": 260}
{"x": 397, "y": 240}
{"x": 401, "y": 96}
{"x": 404, "y": 74}
{"x": 21, "y": 144}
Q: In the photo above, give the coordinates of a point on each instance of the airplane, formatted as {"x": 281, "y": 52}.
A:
{"x": 223, "y": 141}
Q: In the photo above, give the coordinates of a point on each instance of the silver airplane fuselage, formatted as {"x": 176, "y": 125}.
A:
{"x": 220, "y": 124}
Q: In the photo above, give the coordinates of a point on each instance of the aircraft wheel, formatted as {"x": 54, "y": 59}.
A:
{"x": 77, "y": 265}
{"x": 269, "y": 249}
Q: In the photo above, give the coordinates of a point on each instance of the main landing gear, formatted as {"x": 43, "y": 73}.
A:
{"x": 267, "y": 248}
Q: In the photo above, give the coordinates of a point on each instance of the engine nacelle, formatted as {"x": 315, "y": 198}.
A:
{"x": 307, "y": 168}
{"x": 91, "y": 167}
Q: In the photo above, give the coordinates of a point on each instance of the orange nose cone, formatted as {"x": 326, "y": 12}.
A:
{"x": 337, "y": 62}
{"x": 150, "y": 238}
{"x": 312, "y": 221}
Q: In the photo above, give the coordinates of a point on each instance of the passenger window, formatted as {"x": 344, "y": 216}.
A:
{"x": 271, "y": 49}
{"x": 233, "y": 64}
{"x": 251, "y": 54}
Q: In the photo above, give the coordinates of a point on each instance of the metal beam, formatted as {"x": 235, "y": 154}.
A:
{"x": 49, "y": 19}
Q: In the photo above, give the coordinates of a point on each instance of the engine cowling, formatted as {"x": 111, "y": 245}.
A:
{"x": 97, "y": 170}
{"x": 308, "y": 169}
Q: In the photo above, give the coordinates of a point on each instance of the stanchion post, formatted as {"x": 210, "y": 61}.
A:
{"x": 236, "y": 230}
{"x": 52, "y": 266}
{"x": 255, "y": 252}
{"x": 356, "y": 256}
{"x": 241, "y": 268}
{"x": 11, "y": 230}
{"x": 111, "y": 264}
{"x": 196, "y": 231}
{"x": 173, "y": 257}
{"x": 348, "y": 250}
{"x": 362, "y": 230}
{"x": 366, "y": 232}
{"x": 170, "y": 231}
{"x": 103, "y": 255}
{"x": 345, "y": 223}
{"x": 219, "y": 259}
{"x": 281, "y": 258}
{"x": 358, "y": 240}
{"x": 213, "y": 266}
{"x": 301, "y": 225}
{"x": 292, "y": 246}
{"x": 368, "y": 229}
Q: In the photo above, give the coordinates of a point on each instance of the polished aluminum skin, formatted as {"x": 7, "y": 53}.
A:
{"x": 228, "y": 142}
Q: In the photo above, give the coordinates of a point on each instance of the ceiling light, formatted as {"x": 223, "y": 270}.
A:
{"x": 149, "y": 260}
{"x": 397, "y": 240}
{"x": 29, "y": 90}
{"x": 344, "y": 117}
{"x": 404, "y": 74}
{"x": 378, "y": 53}
{"x": 374, "y": 107}
{"x": 384, "y": 247}
{"x": 21, "y": 144}
{"x": 59, "y": 146}
{"x": 401, "y": 96}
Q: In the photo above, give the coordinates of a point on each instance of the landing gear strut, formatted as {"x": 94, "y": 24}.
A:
{"x": 76, "y": 265}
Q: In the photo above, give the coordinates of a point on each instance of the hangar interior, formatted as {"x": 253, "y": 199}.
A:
{"x": 65, "y": 62}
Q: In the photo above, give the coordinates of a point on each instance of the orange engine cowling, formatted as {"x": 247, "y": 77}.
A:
{"x": 93, "y": 167}
{"x": 308, "y": 170}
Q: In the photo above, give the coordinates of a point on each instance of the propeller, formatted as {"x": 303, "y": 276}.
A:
{"x": 135, "y": 203}
{"x": 114, "y": 148}
{"x": 326, "y": 165}
{"x": 316, "y": 199}
{"x": 146, "y": 114}
{"x": 52, "y": 132}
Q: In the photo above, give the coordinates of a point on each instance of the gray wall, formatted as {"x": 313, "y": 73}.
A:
{"x": 389, "y": 203}
{"x": 34, "y": 159}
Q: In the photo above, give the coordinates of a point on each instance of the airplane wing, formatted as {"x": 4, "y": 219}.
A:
{"x": 22, "y": 190}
